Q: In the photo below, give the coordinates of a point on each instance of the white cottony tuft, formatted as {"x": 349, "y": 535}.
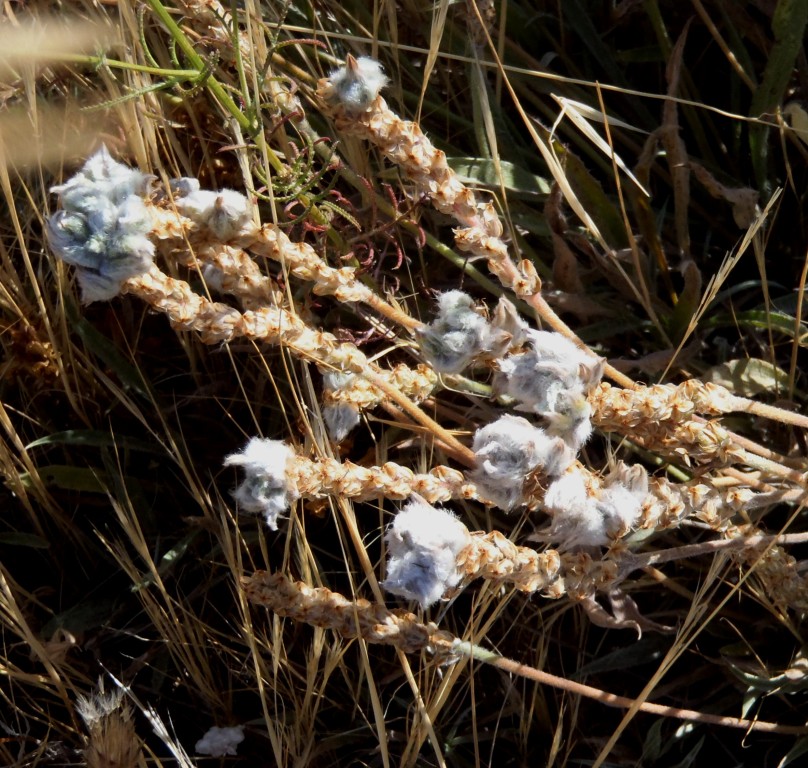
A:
{"x": 265, "y": 489}
{"x": 456, "y": 335}
{"x": 356, "y": 85}
{"x": 507, "y": 451}
{"x": 225, "y": 213}
{"x": 552, "y": 379}
{"x": 506, "y": 330}
{"x": 423, "y": 544}
{"x": 585, "y": 515}
{"x": 220, "y": 742}
{"x": 103, "y": 227}
{"x": 340, "y": 417}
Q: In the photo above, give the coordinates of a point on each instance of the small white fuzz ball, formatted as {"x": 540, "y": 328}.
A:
{"x": 587, "y": 516}
{"x": 506, "y": 330}
{"x": 265, "y": 489}
{"x": 507, "y": 451}
{"x": 340, "y": 417}
{"x": 355, "y": 86}
{"x": 552, "y": 379}
{"x": 456, "y": 335}
{"x": 340, "y": 420}
{"x": 225, "y": 213}
{"x": 103, "y": 227}
{"x": 423, "y": 544}
{"x": 220, "y": 742}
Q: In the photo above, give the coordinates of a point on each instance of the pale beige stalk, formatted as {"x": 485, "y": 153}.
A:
{"x": 350, "y": 618}
{"x": 494, "y": 557}
{"x": 624, "y": 410}
{"x": 404, "y": 143}
{"x": 329, "y": 477}
{"x": 216, "y": 322}
{"x": 416, "y": 383}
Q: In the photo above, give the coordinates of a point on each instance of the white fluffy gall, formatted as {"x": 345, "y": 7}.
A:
{"x": 265, "y": 489}
{"x": 423, "y": 544}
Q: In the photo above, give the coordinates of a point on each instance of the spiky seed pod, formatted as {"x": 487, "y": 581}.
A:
{"x": 423, "y": 544}
{"x": 346, "y": 395}
{"x": 316, "y": 479}
{"x": 778, "y": 572}
{"x": 112, "y": 740}
{"x": 350, "y": 618}
{"x": 510, "y": 449}
{"x": 230, "y": 270}
{"x": 669, "y": 504}
{"x": 616, "y": 409}
{"x": 403, "y": 142}
{"x": 217, "y": 322}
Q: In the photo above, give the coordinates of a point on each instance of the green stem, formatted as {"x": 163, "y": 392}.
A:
{"x": 98, "y": 61}
{"x": 214, "y": 86}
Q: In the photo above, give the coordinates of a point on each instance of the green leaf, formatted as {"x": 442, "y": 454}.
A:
{"x": 96, "y": 439}
{"x": 104, "y": 349}
{"x": 798, "y": 750}
{"x": 69, "y": 478}
{"x": 749, "y": 377}
{"x": 482, "y": 171}
{"x": 759, "y": 319}
{"x": 81, "y": 617}
{"x": 24, "y": 540}
{"x": 788, "y": 25}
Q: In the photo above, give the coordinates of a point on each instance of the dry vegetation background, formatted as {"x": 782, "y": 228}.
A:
{"x": 121, "y": 547}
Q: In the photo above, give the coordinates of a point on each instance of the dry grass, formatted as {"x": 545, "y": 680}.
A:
{"x": 664, "y": 212}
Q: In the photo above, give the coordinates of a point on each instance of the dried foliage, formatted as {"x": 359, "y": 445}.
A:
{"x": 270, "y": 290}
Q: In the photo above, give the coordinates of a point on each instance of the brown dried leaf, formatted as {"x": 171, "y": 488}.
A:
{"x": 744, "y": 200}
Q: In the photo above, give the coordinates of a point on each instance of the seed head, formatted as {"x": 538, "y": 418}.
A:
{"x": 225, "y": 213}
{"x": 220, "y": 742}
{"x": 587, "y": 516}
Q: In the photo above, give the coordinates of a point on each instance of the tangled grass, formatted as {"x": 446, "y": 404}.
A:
{"x": 631, "y": 178}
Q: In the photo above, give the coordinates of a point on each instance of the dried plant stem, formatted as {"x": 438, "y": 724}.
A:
{"x": 404, "y": 144}
{"x": 304, "y": 263}
{"x": 611, "y": 700}
{"x": 631, "y": 562}
{"x": 350, "y": 618}
{"x": 659, "y": 404}
{"x": 217, "y": 322}
{"x": 374, "y": 623}
{"x": 315, "y": 479}
{"x": 271, "y": 242}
